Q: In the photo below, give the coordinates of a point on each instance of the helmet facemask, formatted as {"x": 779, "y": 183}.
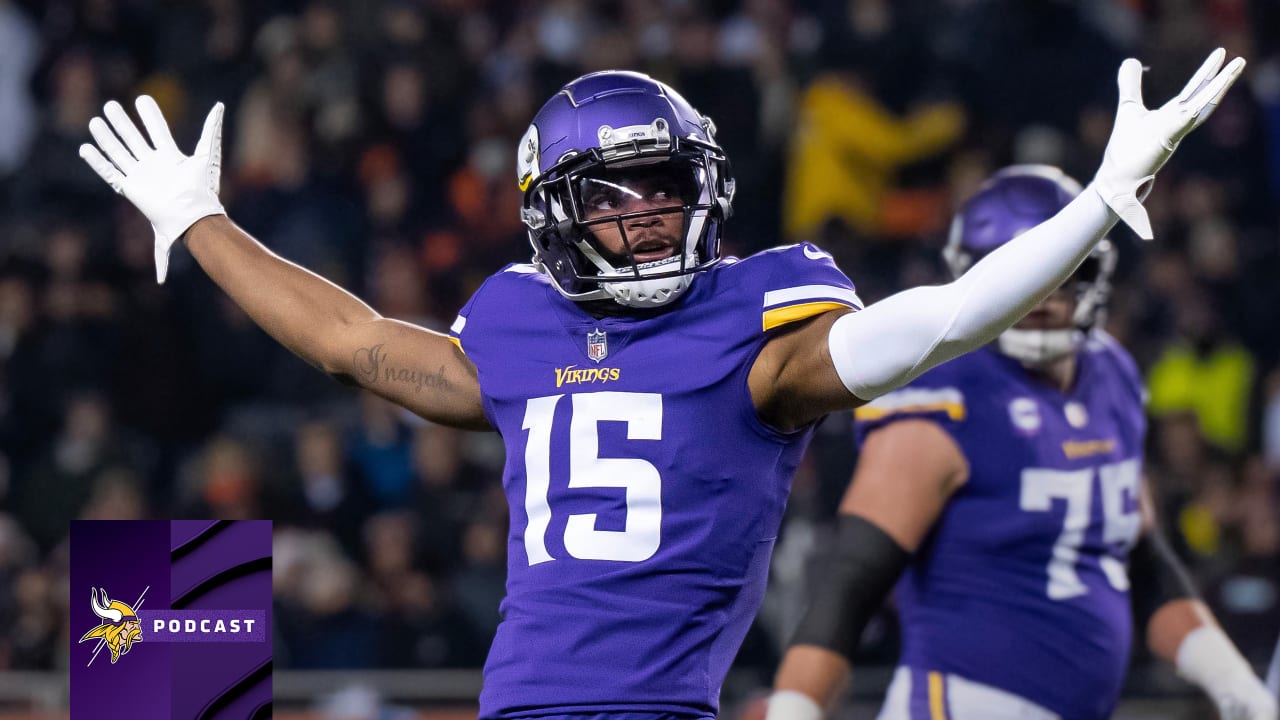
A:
{"x": 592, "y": 252}
{"x": 1089, "y": 287}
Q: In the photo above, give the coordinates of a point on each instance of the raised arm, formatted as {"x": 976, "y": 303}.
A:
{"x": 835, "y": 363}
{"x": 323, "y": 324}
{"x": 420, "y": 370}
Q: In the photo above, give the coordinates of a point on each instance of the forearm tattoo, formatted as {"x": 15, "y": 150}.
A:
{"x": 372, "y": 367}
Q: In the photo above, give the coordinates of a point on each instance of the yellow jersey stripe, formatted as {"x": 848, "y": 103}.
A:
{"x": 937, "y": 701}
{"x": 457, "y": 342}
{"x": 783, "y": 315}
{"x": 954, "y": 410}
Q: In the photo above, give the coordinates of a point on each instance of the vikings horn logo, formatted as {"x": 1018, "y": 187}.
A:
{"x": 120, "y": 628}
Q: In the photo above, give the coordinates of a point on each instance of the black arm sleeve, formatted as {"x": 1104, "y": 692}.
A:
{"x": 857, "y": 572}
{"x": 1157, "y": 575}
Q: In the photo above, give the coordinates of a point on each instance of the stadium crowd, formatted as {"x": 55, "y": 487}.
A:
{"x": 374, "y": 143}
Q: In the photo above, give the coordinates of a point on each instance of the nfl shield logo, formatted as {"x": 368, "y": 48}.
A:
{"x": 597, "y": 345}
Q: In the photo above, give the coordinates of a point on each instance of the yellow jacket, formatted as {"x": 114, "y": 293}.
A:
{"x": 1215, "y": 387}
{"x": 846, "y": 150}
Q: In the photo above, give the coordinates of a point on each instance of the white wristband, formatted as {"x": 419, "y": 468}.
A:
{"x": 792, "y": 705}
{"x": 1208, "y": 658}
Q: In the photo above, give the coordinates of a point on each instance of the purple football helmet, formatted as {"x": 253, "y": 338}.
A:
{"x": 606, "y": 125}
{"x": 1012, "y": 201}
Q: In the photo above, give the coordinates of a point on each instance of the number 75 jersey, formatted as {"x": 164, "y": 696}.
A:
{"x": 645, "y": 492}
{"x": 1023, "y": 583}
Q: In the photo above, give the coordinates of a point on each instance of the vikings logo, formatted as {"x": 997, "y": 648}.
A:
{"x": 120, "y": 628}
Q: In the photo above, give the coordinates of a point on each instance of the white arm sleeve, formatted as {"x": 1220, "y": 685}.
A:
{"x": 1273, "y": 675}
{"x": 893, "y": 341}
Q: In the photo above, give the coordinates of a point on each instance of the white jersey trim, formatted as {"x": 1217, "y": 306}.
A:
{"x": 962, "y": 699}
{"x": 805, "y": 293}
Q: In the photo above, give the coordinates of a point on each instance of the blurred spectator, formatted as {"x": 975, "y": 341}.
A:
{"x": 71, "y": 345}
{"x": 399, "y": 289}
{"x": 445, "y": 498}
{"x": 34, "y": 639}
{"x": 1026, "y": 64}
{"x": 17, "y": 554}
{"x": 1246, "y": 598}
{"x": 62, "y": 481}
{"x": 19, "y": 52}
{"x": 53, "y": 179}
{"x": 381, "y": 450}
{"x": 327, "y": 494}
{"x": 419, "y": 626}
{"x": 318, "y": 616}
{"x": 116, "y": 495}
{"x": 1206, "y": 373}
{"x": 224, "y": 483}
{"x": 847, "y": 149}
{"x": 21, "y": 426}
{"x": 481, "y": 583}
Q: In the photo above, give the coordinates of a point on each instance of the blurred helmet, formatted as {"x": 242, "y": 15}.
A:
{"x": 597, "y": 127}
{"x": 1014, "y": 200}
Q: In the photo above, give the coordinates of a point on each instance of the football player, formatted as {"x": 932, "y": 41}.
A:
{"x": 1002, "y": 492}
{"x": 654, "y": 397}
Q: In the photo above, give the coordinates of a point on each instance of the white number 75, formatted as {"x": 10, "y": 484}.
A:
{"x": 1120, "y": 526}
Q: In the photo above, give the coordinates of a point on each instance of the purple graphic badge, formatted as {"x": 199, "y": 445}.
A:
{"x": 171, "y": 619}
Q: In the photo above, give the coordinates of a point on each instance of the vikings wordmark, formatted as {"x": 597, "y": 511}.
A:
{"x": 572, "y": 375}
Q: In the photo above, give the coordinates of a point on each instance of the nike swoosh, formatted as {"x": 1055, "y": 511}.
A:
{"x": 814, "y": 254}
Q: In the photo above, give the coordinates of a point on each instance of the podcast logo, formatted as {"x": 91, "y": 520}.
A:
{"x": 191, "y": 608}
{"x": 119, "y": 628}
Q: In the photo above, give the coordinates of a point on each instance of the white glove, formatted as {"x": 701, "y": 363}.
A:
{"x": 172, "y": 189}
{"x": 1142, "y": 140}
{"x": 1248, "y": 700}
{"x": 1207, "y": 658}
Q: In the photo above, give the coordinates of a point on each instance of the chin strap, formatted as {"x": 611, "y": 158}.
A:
{"x": 651, "y": 293}
{"x": 1038, "y": 348}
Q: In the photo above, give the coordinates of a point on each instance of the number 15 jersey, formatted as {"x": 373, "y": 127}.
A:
{"x": 645, "y": 492}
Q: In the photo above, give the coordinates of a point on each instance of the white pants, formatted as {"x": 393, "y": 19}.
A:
{"x": 916, "y": 695}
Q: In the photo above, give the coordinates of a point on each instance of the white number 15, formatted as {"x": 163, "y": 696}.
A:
{"x": 642, "y": 413}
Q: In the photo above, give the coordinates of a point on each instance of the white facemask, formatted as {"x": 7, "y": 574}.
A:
{"x": 650, "y": 293}
{"x": 1039, "y": 348}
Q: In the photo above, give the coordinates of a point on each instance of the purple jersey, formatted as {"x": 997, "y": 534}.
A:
{"x": 1022, "y": 583}
{"x": 645, "y": 492}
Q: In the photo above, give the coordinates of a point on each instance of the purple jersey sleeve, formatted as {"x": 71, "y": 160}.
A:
{"x": 804, "y": 282}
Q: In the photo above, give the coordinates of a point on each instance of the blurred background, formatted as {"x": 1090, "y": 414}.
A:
{"x": 374, "y": 143}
